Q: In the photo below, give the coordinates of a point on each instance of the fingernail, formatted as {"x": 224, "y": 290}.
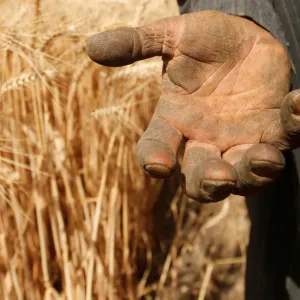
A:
{"x": 296, "y": 105}
{"x": 158, "y": 171}
{"x": 218, "y": 190}
{"x": 266, "y": 168}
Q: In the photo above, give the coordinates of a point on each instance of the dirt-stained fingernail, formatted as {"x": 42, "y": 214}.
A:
{"x": 217, "y": 190}
{"x": 266, "y": 168}
{"x": 158, "y": 171}
{"x": 296, "y": 104}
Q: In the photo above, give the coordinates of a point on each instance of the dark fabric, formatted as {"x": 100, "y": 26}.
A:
{"x": 289, "y": 13}
{"x": 261, "y": 11}
{"x": 274, "y": 247}
{"x": 273, "y": 239}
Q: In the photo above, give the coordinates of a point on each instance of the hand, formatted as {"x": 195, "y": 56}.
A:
{"x": 224, "y": 85}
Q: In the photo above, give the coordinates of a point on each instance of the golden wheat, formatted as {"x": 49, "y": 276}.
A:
{"x": 77, "y": 215}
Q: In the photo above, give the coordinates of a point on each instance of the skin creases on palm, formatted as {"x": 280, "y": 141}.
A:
{"x": 224, "y": 91}
{"x": 224, "y": 84}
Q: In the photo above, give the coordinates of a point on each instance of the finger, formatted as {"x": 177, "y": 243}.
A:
{"x": 285, "y": 132}
{"x": 124, "y": 46}
{"x": 205, "y": 176}
{"x": 256, "y": 166}
{"x": 157, "y": 149}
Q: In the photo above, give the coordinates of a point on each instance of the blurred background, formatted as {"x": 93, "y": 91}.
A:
{"x": 78, "y": 219}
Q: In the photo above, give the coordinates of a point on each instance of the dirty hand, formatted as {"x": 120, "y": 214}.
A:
{"x": 225, "y": 81}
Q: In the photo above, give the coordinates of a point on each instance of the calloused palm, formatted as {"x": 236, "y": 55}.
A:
{"x": 224, "y": 84}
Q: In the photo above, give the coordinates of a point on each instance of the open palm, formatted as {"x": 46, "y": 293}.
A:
{"x": 224, "y": 84}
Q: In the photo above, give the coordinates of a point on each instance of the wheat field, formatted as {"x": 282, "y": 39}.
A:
{"x": 78, "y": 219}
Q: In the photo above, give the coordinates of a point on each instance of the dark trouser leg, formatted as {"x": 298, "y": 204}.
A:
{"x": 273, "y": 236}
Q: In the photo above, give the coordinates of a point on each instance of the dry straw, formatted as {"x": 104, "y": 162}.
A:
{"x": 78, "y": 219}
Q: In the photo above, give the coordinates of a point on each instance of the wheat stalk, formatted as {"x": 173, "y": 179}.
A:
{"x": 25, "y": 79}
{"x": 76, "y": 210}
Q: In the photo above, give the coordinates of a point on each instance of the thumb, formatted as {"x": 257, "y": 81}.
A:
{"x": 124, "y": 46}
{"x": 284, "y": 133}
